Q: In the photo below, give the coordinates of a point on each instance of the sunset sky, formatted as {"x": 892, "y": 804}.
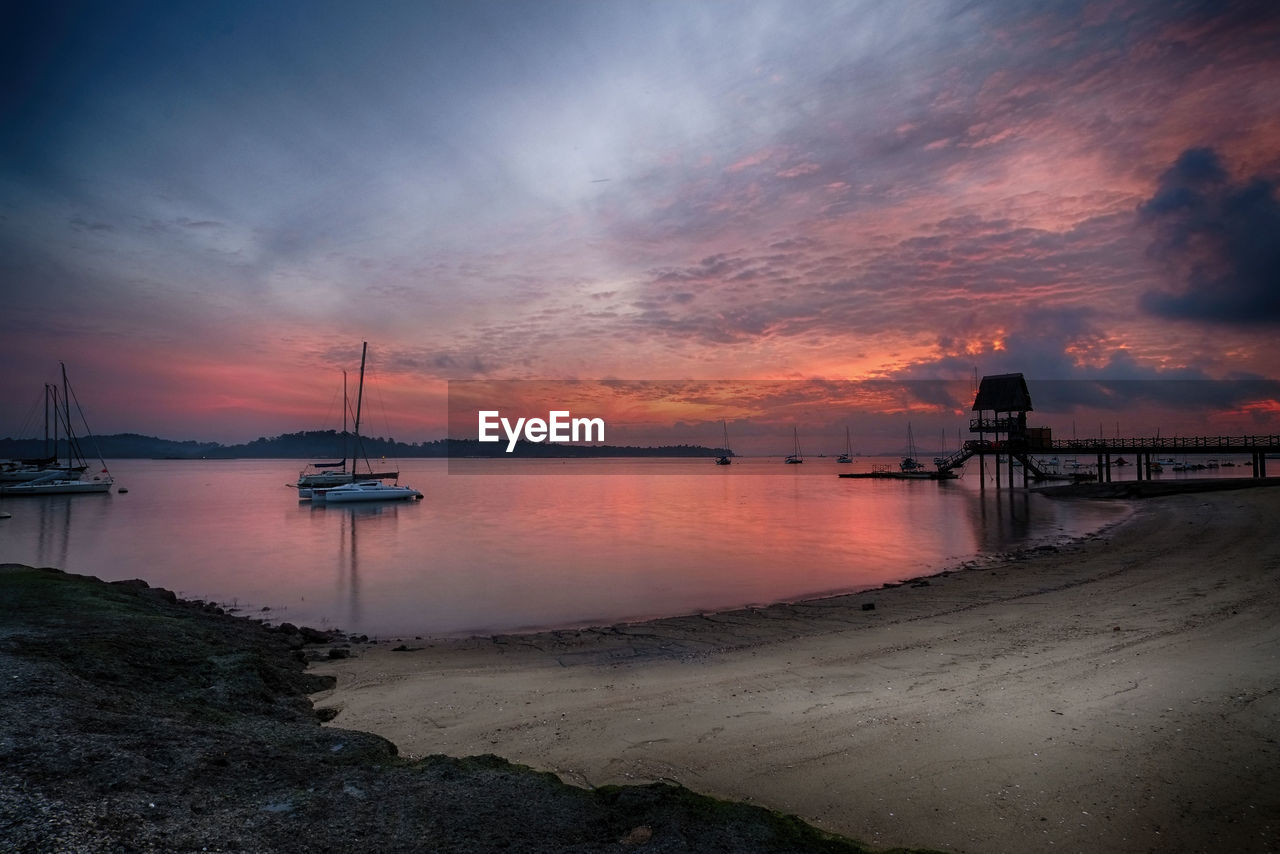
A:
{"x": 206, "y": 207}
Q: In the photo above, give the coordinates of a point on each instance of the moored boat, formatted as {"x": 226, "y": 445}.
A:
{"x": 723, "y": 459}
{"x": 58, "y": 483}
{"x": 321, "y": 476}
{"x": 910, "y": 465}
{"x": 795, "y": 457}
{"x": 364, "y": 490}
{"x": 50, "y": 477}
{"x": 847, "y": 456}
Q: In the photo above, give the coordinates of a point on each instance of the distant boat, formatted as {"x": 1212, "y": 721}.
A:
{"x": 909, "y": 463}
{"x": 796, "y": 457}
{"x": 324, "y": 475}
{"x": 723, "y": 459}
{"x": 68, "y": 478}
{"x": 364, "y": 490}
{"x": 847, "y": 456}
{"x": 909, "y": 469}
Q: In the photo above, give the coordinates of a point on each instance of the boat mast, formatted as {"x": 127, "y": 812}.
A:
{"x": 359, "y": 403}
{"x": 66, "y": 407}
{"x": 50, "y": 390}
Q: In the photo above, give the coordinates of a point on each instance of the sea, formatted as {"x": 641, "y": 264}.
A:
{"x": 508, "y": 546}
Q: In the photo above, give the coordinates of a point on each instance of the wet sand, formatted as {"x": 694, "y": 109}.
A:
{"x": 1117, "y": 694}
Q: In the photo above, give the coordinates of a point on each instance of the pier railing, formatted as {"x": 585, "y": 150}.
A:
{"x": 1260, "y": 448}
{"x": 1008, "y": 424}
{"x": 1173, "y": 444}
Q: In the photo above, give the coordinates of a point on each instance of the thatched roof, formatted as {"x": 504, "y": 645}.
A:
{"x": 1003, "y": 393}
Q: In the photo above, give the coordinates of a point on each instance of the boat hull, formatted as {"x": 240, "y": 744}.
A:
{"x": 364, "y": 491}
{"x": 22, "y": 475}
{"x": 327, "y": 479}
{"x": 57, "y": 487}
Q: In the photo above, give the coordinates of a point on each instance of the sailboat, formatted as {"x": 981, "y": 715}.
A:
{"x": 795, "y": 457}
{"x": 21, "y": 471}
{"x": 847, "y": 456}
{"x": 323, "y": 475}
{"x": 909, "y": 463}
{"x": 723, "y": 459}
{"x": 337, "y": 473}
{"x": 58, "y": 479}
{"x": 356, "y": 486}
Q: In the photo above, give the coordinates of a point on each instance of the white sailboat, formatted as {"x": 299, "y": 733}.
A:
{"x": 56, "y": 478}
{"x": 337, "y": 473}
{"x": 21, "y": 471}
{"x": 364, "y": 490}
{"x": 325, "y": 486}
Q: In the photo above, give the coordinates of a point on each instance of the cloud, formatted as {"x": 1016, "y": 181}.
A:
{"x": 1218, "y": 241}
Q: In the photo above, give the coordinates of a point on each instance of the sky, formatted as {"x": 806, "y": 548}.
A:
{"x": 206, "y": 207}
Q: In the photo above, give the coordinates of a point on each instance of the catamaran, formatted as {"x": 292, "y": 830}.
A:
{"x": 334, "y": 482}
{"x": 364, "y": 490}
{"x": 337, "y": 473}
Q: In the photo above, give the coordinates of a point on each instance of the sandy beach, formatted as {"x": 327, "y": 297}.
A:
{"x": 1115, "y": 694}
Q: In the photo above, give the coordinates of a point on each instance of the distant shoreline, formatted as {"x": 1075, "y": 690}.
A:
{"x": 329, "y": 445}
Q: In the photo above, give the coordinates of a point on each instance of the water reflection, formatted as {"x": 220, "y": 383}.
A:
{"x": 354, "y": 521}
{"x": 1005, "y": 518}
{"x": 558, "y": 549}
{"x": 51, "y": 518}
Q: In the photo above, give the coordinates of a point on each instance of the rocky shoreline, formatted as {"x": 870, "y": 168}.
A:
{"x": 133, "y": 721}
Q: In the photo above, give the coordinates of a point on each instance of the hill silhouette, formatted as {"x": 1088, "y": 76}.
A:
{"x": 329, "y": 445}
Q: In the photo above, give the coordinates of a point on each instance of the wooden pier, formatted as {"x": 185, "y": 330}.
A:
{"x": 1147, "y": 451}
{"x": 1006, "y": 398}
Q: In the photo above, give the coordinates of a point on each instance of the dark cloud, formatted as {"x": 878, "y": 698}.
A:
{"x": 1219, "y": 240}
{"x": 1120, "y": 396}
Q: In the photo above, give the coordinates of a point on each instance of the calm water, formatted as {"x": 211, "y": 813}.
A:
{"x": 550, "y": 544}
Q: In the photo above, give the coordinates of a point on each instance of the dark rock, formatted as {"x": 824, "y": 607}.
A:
{"x": 314, "y": 635}
{"x": 134, "y": 724}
